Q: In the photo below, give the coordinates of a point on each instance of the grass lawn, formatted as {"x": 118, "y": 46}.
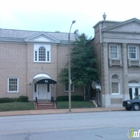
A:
{"x": 74, "y": 104}
{"x": 16, "y": 106}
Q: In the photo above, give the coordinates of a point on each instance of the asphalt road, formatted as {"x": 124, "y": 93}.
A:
{"x": 70, "y": 126}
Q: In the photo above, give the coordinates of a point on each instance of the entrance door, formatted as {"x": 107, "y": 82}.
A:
{"x": 43, "y": 91}
{"x": 133, "y": 92}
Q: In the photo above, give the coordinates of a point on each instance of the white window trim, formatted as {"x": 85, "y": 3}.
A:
{"x": 17, "y": 85}
{"x": 72, "y": 90}
{"x": 118, "y": 51}
{"x": 48, "y": 49}
{"x": 118, "y": 88}
{"x": 137, "y": 52}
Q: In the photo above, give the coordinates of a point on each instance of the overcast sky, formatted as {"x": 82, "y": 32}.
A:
{"x": 57, "y": 15}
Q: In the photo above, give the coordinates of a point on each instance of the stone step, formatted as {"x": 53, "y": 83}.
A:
{"x": 47, "y": 105}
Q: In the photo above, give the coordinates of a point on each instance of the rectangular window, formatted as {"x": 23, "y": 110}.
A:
{"x": 132, "y": 50}
{"x": 115, "y": 88}
{"x": 34, "y": 87}
{"x": 48, "y": 87}
{"x": 67, "y": 88}
{"x": 13, "y": 84}
{"x": 48, "y": 55}
{"x": 114, "y": 51}
{"x": 35, "y": 55}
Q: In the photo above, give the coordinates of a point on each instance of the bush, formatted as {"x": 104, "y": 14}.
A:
{"x": 77, "y": 98}
{"x": 19, "y": 99}
{"x": 23, "y": 99}
{"x": 5, "y": 100}
{"x": 73, "y": 98}
{"x": 62, "y": 98}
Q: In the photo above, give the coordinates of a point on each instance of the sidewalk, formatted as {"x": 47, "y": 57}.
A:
{"x": 59, "y": 111}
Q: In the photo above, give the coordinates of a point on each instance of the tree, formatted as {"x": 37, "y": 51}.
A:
{"x": 83, "y": 63}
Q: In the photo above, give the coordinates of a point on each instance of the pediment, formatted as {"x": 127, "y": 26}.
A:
{"x": 132, "y": 25}
{"x": 42, "y": 37}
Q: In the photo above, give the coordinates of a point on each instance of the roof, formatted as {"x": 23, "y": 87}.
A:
{"x": 104, "y": 21}
{"x": 22, "y": 35}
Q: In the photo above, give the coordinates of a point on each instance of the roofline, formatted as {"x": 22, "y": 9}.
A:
{"x": 105, "y": 21}
{"x": 36, "y": 31}
{"x": 121, "y": 23}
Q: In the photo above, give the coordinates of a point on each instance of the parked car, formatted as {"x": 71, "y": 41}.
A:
{"x": 132, "y": 104}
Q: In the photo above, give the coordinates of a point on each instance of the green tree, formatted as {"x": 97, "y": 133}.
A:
{"x": 83, "y": 63}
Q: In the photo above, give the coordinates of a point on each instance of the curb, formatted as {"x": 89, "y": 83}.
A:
{"x": 58, "y": 111}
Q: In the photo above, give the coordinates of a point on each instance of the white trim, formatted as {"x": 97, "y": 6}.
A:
{"x": 137, "y": 52}
{"x": 17, "y": 85}
{"x": 118, "y": 89}
{"x": 118, "y": 51}
{"x": 49, "y": 38}
{"x": 47, "y": 49}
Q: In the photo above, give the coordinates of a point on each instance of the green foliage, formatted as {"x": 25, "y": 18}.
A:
{"x": 73, "y": 98}
{"x": 74, "y": 104}
{"x": 23, "y": 98}
{"x": 5, "y": 100}
{"x": 62, "y": 98}
{"x": 83, "y": 63}
{"x": 19, "y": 99}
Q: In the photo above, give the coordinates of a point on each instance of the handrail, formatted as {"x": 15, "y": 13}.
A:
{"x": 36, "y": 100}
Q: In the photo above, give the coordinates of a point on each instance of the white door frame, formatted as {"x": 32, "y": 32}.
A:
{"x": 36, "y": 92}
{"x": 134, "y": 86}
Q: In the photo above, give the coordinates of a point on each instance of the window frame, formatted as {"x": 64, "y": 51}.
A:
{"x": 8, "y": 89}
{"x": 66, "y": 89}
{"x": 47, "y": 48}
{"x": 118, "y": 88}
{"x": 118, "y": 50}
{"x": 136, "y": 46}
{"x": 115, "y": 79}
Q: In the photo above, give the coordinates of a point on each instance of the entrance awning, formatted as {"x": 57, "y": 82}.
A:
{"x": 96, "y": 85}
{"x": 43, "y": 79}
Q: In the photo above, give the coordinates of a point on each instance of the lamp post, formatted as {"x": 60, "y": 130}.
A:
{"x": 70, "y": 66}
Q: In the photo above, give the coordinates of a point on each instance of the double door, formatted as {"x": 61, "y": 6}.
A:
{"x": 133, "y": 92}
{"x": 44, "y": 91}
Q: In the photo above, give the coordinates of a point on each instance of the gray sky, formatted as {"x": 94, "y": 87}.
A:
{"x": 57, "y": 15}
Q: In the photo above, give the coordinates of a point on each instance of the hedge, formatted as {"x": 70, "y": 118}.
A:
{"x": 73, "y": 98}
{"x": 19, "y": 99}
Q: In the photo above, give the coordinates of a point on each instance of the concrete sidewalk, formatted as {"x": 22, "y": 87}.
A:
{"x": 58, "y": 111}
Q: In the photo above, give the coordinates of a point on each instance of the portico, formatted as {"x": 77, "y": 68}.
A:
{"x": 42, "y": 86}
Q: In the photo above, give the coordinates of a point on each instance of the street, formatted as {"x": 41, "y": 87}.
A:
{"x": 113, "y": 125}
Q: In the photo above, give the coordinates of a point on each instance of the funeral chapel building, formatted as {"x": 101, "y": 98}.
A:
{"x": 30, "y": 62}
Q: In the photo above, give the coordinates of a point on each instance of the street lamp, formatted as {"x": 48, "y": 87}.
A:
{"x": 70, "y": 67}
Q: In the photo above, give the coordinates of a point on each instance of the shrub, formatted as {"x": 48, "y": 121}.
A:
{"x": 62, "y": 98}
{"x": 5, "y": 100}
{"x": 23, "y": 99}
{"x": 73, "y": 98}
{"x": 77, "y": 98}
{"x": 19, "y": 99}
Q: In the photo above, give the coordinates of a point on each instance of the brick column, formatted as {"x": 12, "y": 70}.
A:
{"x": 125, "y": 73}
{"x": 105, "y": 95}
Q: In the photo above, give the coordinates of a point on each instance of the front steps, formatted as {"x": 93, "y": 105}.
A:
{"x": 45, "y": 105}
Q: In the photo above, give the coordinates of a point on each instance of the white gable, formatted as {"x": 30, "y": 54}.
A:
{"x": 131, "y": 27}
{"x": 41, "y": 38}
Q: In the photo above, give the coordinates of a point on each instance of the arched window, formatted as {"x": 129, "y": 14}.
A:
{"x": 42, "y": 54}
{"x": 115, "y": 85}
{"x": 115, "y": 76}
